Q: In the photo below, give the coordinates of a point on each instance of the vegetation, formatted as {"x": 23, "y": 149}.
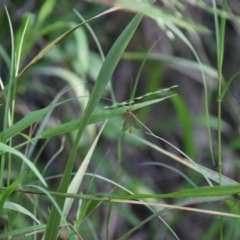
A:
{"x": 119, "y": 120}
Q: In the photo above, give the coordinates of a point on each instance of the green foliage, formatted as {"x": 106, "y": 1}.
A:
{"x": 49, "y": 58}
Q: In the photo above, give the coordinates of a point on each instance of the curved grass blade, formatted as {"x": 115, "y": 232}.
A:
{"x": 4, "y": 196}
{"x": 145, "y": 7}
{"x": 6, "y": 149}
{"x": 69, "y": 126}
{"x": 133, "y": 100}
{"x": 105, "y": 73}
{"x": 50, "y": 46}
{"x": 22, "y": 231}
{"x": 227, "y": 85}
{"x": 96, "y": 117}
{"x": 27, "y": 121}
{"x": 20, "y": 209}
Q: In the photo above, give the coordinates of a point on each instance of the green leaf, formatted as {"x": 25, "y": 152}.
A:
{"x": 22, "y": 231}
{"x": 96, "y": 117}
{"x": 227, "y": 85}
{"x": 77, "y": 179}
{"x": 9, "y": 190}
{"x": 105, "y": 73}
{"x": 25, "y": 122}
{"x": 47, "y": 49}
{"x": 20, "y": 209}
{"x": 154, "y": 12}
{"x": 5, "y": 148}
{"x": 45, "y": 11}
{"x": 186, "y": 124}
{"x": 196, "y": 192}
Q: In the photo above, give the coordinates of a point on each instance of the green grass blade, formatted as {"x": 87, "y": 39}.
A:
{"x": 141, "y": 69}
{"x": 5, "y": 148}
{"x": 22, "y": 231}
{"x": 9, "y": 190}
{"x": 227, "y": 85}
{"x": 92, "y": 34}
{"x": 69, "y": 126}
{"x": 20, "y": 47}
{"x": 20, "y": 209}
{"x": 44, "y": 121}
{"x": 145, "y": 7}
{"x": 135, "y": 228}
{"x": 26, "y": 122}
{"x": 45, "y": 10}
{"x": 48, "y": 48}
{"x": 76, "y": 181}
{"x": 172, "y": 169}
{"x": 186, "y": 123}
{"x": 195, "y": 192}
{"x": 96, "y": 117}
{"x": 208, "y": 173}
{"x": 178, "y": 63}
{"x": 4, "y": 56}
{"x": 105, "y": 73}
{"x": 206, "y": 102}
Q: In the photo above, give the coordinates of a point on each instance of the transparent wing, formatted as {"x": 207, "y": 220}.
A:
{"x": 126, "y": 125}
{"x": 134, "y": 121}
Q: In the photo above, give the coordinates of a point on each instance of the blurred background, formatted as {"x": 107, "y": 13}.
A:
{"x": 75, "y": 63}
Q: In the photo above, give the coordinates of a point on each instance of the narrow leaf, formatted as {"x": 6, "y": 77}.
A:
{"x": 5, "y": 148}
{"x": 105, "y": 73}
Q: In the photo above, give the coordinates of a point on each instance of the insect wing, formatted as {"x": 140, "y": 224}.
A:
{"x": 134, "y": 121}
{"x": 130, "y": 121}
{"x": 126, "y": 125}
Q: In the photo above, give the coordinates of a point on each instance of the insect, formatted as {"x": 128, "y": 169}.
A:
{"x": 130, "y": 121}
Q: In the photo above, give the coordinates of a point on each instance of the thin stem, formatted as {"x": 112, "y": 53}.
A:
{"x": 220, "y": 37}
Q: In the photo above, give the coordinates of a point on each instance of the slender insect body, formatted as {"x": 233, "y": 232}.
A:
{"x": 130, "y": 121}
